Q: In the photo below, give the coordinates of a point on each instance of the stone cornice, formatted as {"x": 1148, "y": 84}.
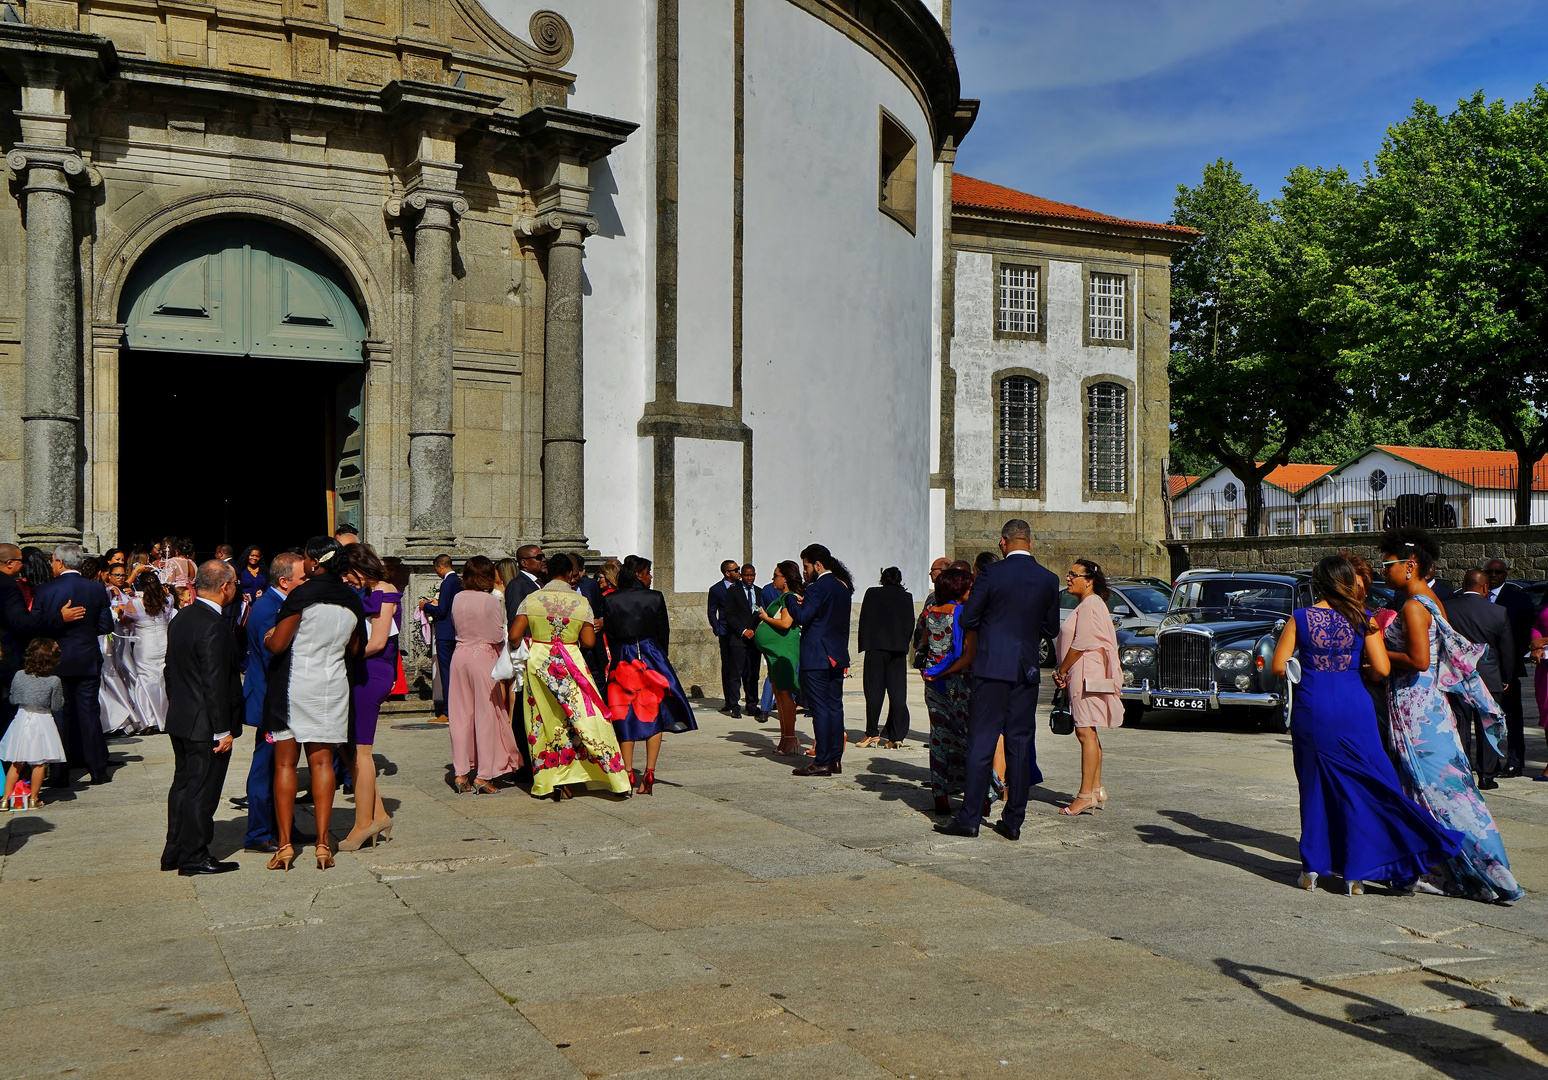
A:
{"x": 566, "y": 133}
{"x": 905, "y": 36}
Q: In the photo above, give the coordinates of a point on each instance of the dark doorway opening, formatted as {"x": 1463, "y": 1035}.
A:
{"x": 237, "y": 450}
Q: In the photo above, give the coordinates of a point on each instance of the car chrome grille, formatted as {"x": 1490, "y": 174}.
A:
{"x": 1184, "y": 661}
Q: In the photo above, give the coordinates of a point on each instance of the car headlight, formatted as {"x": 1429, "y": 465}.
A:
{"x": 1229, "y": 659}
{"x": 1244, "y": 682}
{"x": 1136, "y": 656}
{"x": 1128, "y": 677}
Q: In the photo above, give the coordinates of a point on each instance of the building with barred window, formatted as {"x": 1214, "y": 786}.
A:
{"x": 1052, "y": 383}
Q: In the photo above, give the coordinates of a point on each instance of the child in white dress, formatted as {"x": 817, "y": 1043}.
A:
{"x": 33, "y": 737}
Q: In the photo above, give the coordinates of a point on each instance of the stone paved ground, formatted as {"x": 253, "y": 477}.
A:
{"x": 746, "y": 923}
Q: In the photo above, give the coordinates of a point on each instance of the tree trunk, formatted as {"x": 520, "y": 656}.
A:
{"x": 1525, "y": 468}
{"x": 1252, "y": 488}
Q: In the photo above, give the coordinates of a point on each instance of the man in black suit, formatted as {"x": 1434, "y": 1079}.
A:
{"x": 739, "y": 656}
{"x": 204, "y": 717}
{"x": 1471, "y": 615}
{"x": 1013, "y": 606}
{"x": 18, "y": 626}
{"x": 440, "y": 610}
{"x": 533, "y": 576}
{"x": 1522, "y": 614}
{"x": 80, "y": 724}
{"x": 730, "y": 665}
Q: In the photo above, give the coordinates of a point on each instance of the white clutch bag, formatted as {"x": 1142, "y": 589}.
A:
{"x": 511, "y": 664}
{"x": 1292, "y": 670}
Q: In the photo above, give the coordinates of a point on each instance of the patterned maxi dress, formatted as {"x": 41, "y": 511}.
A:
{"x": 567, "y": 723}
{"x": 1431, "y": 762}
{"x": 947, "y": 700}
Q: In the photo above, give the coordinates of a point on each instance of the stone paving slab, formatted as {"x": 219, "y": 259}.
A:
{"x": 746, "y": 923}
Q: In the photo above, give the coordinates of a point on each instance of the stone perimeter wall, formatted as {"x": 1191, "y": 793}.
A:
{"x": 1524, "y": 547}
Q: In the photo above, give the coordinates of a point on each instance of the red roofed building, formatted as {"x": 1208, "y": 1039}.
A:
{"x": 1054, "y": 401}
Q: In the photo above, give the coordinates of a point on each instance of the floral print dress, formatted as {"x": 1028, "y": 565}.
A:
{"x": 946, "y": 700}
{"x": 568, "y": 730}
{"x": 1431, "y": 762}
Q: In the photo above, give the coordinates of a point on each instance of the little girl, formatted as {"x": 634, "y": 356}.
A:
{"x": 33, "y": 737}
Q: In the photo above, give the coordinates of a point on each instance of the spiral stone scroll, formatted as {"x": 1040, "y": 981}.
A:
{"x": 551, "y": 36}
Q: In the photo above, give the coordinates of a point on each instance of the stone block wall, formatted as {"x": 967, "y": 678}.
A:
{"x": 1524, "y": 548}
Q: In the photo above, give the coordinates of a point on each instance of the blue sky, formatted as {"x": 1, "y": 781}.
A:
{"x": 1110, "y": 104}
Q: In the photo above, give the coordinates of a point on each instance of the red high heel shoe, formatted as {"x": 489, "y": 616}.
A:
{"x": 648, "y": 781}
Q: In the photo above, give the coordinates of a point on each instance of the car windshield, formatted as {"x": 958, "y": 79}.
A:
{"x": 1068, "y": 602}
{"x": 1234, "y": 593}
{"x": 1146, "y": 601}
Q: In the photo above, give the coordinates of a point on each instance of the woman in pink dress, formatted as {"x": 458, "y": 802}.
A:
{"x": 481, "y": 733}
{"x": 1088, "y": 668}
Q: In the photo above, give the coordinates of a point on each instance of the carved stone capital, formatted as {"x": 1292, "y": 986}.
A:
{"x": 555, "y": 221}
{"x": 23, "y": 160}
{"x": 417, "y": 201}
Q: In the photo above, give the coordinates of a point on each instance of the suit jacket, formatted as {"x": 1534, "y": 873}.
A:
{"x": 1442, "y": 588}
{"x": 768, "y": 594}
{"x": 19, "y": 626}
{"x": 740, "y": 614}
{"x": 886, "y": 619}
{"x": 519, "y": 588}
{"x": 261, "y": 618}
{"x": 1013, "y": 605}
{"x": 596, "y": 656}
{"x": 204, "y": 688}
{"x": 82, "y": 657}
{"x": 1522, "y": 614}
{"x": 441, "y": 610}
{"x": 717, "y": 607}
{"x": 823, "y": 616}
{"x": 1484, "y": 623}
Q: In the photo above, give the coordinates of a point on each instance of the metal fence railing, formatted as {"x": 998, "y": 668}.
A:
{"x": 1373, "y": 500}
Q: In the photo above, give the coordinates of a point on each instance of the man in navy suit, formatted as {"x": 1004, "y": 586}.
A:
{"x": 445, "y": 629}
{"x": 1522, "y": 614}
{"x": 731, "y": 652}
{"x": 19, "y": 625}
{"x": 286, "y": 572}
{"x": 80, "y": 725}
{"x": 823, "y": 616}
{"x": 1013, "y": 606}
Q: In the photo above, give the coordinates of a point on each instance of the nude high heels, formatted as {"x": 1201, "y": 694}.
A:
{"x": 375, "y": 829}
{"x": 1099, "y": 798}
{"x": 324, "y": 856}
{"x": 1070, "y": 811}
{"x": 283, "y": 858}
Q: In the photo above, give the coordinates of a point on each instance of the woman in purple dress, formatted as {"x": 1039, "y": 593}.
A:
{"x": 381, "y": 602}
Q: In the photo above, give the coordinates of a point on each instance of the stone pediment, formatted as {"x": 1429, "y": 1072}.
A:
{"x": 358, "y": 44}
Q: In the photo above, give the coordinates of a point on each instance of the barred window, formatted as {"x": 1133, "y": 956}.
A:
{"x": 1018, "y": 433}
{"x": 1018, "y": 300}
{"x": 1106, "y": 438}
{"x": 1107, "y": 309}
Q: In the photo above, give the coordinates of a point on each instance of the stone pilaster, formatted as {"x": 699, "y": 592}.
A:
{"x": 564, "y": 371}
{"x": 431, "y": 375}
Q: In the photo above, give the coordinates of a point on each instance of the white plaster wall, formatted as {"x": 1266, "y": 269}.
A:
{"x": 836, "y": 303}
{"x": 613, "y": 63}
{"x": 705, "y": 210}
{"x": 1062, "y": 359}
{"x": 708, "y": 518}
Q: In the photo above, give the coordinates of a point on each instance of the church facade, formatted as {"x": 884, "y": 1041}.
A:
{"x": 660, "y": 276}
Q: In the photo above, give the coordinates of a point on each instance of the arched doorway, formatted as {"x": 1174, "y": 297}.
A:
{"x": 239, "y": 391}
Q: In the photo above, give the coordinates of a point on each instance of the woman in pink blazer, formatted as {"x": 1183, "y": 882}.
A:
{"x": 1088, "y": 668}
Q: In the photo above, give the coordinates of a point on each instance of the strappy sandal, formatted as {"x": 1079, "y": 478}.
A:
{"x": 461, "y": 786}
{"x": 484, "y": 787}
{"x": 324, "y": 856}
{"x": 283, "y": 858}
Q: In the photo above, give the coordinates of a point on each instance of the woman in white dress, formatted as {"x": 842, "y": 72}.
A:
{"x": 144, "y": 618}
{"x": 317, "y": 641}
{"x": 113, "y": 693}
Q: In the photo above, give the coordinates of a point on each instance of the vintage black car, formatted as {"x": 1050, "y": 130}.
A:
{"x": 1213, "y": 646}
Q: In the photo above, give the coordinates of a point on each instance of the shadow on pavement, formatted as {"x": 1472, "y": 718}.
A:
{"x": 1229, "y": 844}
{"x": 1391, "y": 1027}
{"x": 23, "y": 827}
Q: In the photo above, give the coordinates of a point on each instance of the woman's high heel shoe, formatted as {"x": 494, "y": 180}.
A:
{"x": 1354, "y": 888}
{"x": 1307, "y": 881}
{"x": 461, "y": 786}
{"x": 484, "y": 787}
{"x": 1069, "y": 811}
{"x": 648, "y": 781}
{"x": 1099, "y": 798}
{"x": 373, "y": 830}
{"x": 283, "y": 858}
{"x": 324, "y": 856}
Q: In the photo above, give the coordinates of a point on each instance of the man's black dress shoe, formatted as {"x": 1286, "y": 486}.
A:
{"x": 208, "y": 866}
{"x": 1515, "y": 771}
{"x": 1006, "y": 831}
{"x": 817, "y": 770}
{"x": 953, "y": 828}
{"x": 264, "y": 847}
{"x": 736, "y": 714}
{"x": 1488, "y": 784}
{"x": 725, "y": 710}
{"x": 761, "y": 717}
{"x": 102, "y": 778}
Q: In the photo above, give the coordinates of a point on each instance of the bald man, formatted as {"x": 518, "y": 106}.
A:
{"x": 19, "y": 626}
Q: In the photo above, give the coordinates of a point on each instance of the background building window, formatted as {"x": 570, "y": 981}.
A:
{"x": 1106, "y": 438}
{"x": 1282, "y": 526}
{"x": 1019, "y": 433}
{"x": 899, "y": 172}
{"x": 1216, "y": 529}
{"x": 1320, "y": 525}
{"x": 1018, "y": 300}
{"x": 1360, "y": 522}
{"x": 1107, "y": 307}
{"x": 1185, "y": 530}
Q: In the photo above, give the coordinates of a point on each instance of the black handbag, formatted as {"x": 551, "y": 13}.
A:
{"x": 1060, "y": 720}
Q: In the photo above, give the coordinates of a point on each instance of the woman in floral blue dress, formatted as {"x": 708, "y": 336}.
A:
{"x": 1430, "y": 661}
{"x": 948, "y": 674}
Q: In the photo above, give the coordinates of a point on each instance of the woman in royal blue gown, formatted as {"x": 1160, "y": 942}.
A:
{"x": 1356, "y": 822}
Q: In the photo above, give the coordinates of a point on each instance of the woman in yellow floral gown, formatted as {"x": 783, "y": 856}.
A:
{"x": 569, "y": 737}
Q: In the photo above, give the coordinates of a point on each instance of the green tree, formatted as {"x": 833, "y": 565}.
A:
{"x": 1451, "y": 298}
{"x": 1256, "y": 363}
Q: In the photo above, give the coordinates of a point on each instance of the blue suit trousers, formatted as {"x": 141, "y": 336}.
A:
{"x": 261, "y": 824}
{"x": 825, "y": 698}
{"x": 1008, "y": 708}
{"x": 443, "y": 655}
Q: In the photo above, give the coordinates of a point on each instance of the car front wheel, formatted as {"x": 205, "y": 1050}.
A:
{"x": 1277, "y": 719}
{"x": 1133, "y": 713}
{"x": 1045, "y": 654}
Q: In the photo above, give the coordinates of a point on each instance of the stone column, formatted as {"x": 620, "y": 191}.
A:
{"x": 51, "y": 349}
{"x": 432, "y": 379}
{"x": 564, "y": 412}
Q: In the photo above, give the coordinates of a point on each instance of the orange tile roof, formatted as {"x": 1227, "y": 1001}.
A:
{"x": 1175, "y": 484}
{"x": 1479, "y": 468}
{"x": 1293, "y": 478}
{"x": 979, "y": 194}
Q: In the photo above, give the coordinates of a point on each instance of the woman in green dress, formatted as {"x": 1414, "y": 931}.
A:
{"x": 779, "y": 639}
{"x": 569, "y": 732}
